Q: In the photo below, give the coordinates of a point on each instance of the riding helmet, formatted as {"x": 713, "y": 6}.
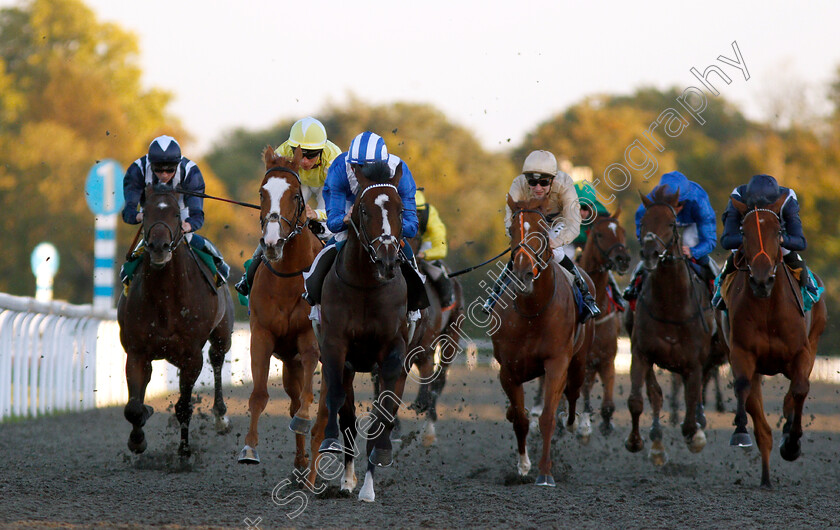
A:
{"x": 164, "y": 150}
{"x": 367, "y": 148}
{"x": 762, "y": 190}
{"x": 308, "y": 133}
{"x": 541, "y": 162}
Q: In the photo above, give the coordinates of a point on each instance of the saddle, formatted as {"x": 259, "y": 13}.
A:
{"x": 129, "y": 268}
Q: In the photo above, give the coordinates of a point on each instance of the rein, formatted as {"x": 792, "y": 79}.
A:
{"x": 605, "y": 254}
{"x": 537, "y": 265}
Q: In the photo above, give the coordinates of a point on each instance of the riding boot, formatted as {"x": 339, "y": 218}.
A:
{"x": 243, "y": 286}
{"x": 728, "y": 268}
{"x": 313, "y": 279}
{"x": 443, "y": 285}
{"x": 590, "y": 306}
{"x": 616, "y": 297}
{"x": 498, "y": 288}
{"x": 795, "y": 261}
{"x": 222, "y": 269}
{"x": 632, "y": 290}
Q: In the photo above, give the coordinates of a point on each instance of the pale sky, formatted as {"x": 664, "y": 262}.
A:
{"x": 498, "y": 68}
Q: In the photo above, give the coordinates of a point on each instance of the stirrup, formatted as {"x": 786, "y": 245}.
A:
{"x": 242, "y": 286}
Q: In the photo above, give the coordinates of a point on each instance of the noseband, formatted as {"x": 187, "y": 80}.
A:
{"x": 665, "y": 255}
{"x": 370, "y": 244}
{"x": 297, "y": 226}
{"x": 537, "y": 265}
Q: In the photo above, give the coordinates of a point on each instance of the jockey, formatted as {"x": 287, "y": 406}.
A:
{"x": 318, "y": 153}
{"x": 590, "y": 209}
{"x": 539, "y": 178}
{"x": 761, "y": 191}
{"x": 366, "y": 150}
{"x": 165, "y": 165}
{"x": 433, "y": 248}
{"x": 699, "y": 229}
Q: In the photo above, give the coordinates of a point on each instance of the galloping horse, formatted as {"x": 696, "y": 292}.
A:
{"x": 769, "y": 333}
{"x": 279, "y": 319}
{"x": 604, "y": 251}
{"x": 364, "y": 327}
{"x": 171, "y": 309}
{"x": 673, "y": 327}
{"x": 538, "y": 334}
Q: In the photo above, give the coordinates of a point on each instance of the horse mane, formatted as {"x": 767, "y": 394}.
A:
{"x": 531, "y": 204}
{"x": 378, "y": 172}
{"x": 660, "y": 194}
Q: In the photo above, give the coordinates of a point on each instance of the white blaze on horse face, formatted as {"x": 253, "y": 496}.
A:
{"x": 386, "y": 225}
{"x": 613, "y": 227}
{"x": 276, "y": 188}
{"x": 162, "y": 205}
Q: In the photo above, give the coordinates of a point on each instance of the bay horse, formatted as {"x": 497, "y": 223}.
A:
{"x": 672, "y": 327}
{"x": 538, "y": 333}
{"x": 769, "y": 333}
{"x": 171, "y": 308}
{"x": 364, "y": 327}
{"x": 604, "y": 251}
{"x": 437, "y": 329}
{"x": 279, "y": 316}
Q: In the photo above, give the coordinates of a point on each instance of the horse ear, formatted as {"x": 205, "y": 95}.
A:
{"x": 297, "y": 156}
{"x": 740, "y": 206}
{"x": 616, "y": 213}
{"x": 647, "y": 202}
{"x": 268, "y": 156}
{"x": 149, "y": 190}
{"x": 777, "y": 206}
{"x": 395, "y": 180}
{"x": 678, "y": 208}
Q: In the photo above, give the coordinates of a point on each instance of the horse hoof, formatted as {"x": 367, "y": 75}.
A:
{"x": 429, "y": 440}
{"x": 366, "y": 494}
{"x": 223, "y": 424}
{"x": 740, "y": 439}
{"x": 657, "y": 455}
{"x": 300, "y": 425}
{"x": 331, "y": 445}
{"x": 606, "y": 428}
{"x": 248, "y": 455}
{"x": 583, "y": 438}
{"x": 634, "y": 446}
{"x": 545, "y": 480}
{"x": 380, "y": 457}
{"x": 137, "y": 447}
{"x": 536, "y": 410}
{"x": 697, "y": 442}
{"x": 348, "y": 485}
{"x": 790, "y": 451}
{"x": 184, "y": 450}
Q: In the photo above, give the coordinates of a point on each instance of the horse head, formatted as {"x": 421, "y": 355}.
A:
{"x": 609, "y": 240}
{"x": 377, "y": 217}
{"x": 282, "y": 208}
{"x": 762, "y": 246}
{"x": 658, "y": 231}
{"x": 530, "y": 249}
{"x": 162, "y": 230}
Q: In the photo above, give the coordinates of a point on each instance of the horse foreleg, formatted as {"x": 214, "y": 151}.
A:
{"x": 607, "y": 375}
{"x": 138, "y": 372}
{"x": 184, "y": 408}
{"x": 309, "y": 354}
{"x": 658, "y": 456}
{"x": 517, "y": 415}
{"x": 635, "y": 402}
{"x": 763, "y": 434}
{"x": 692, "y": 427}
{"x": 575, "y": 375}
{"x": 392, "y": 381}
{"x": 332, "y": 367}
{"x": 555, "y": 379}
{"x": 217, "y": 360}
{"x": 427, "y": 398}
{"x": 317, "y": 434}
{"x": 799, "y": 388}
{"x": 588, "y": 383}
{"x": 743, "y": 369}
{"x": 674, "y": 399}
{"x": 292, "y": 384}
{"x": 262, "y": 344}
{"x": 347, "y": 420}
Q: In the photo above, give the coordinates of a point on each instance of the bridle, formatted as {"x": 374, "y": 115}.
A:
{"x": 173, "y": 242}
{"x": 666, "y": 255}
{"x": 537, "y": 265}
{"x": 373, "y": 245}
{"x": 761, "y": 251}
{"x": 606, "y": 254}
{"x": 274, "y": 217}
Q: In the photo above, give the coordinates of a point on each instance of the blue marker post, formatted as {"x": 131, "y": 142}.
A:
{"x": 103, "y": 191}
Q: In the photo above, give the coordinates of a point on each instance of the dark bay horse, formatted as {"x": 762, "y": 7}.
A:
{"x": 364, "y": 327}
{"x": 604, "y": 251}
{"x": 539, "y": 334}
{"x": 672, "y": 327}
{"x": 172, "y": 308}
{"x": 280, "y": 325}
{"x": 769, "y": 334}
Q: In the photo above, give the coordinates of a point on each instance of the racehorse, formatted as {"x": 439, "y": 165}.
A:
{"x": 769, "y": 333}
{"x": 279, "y": 317}
{"x": 364, "y": 326}
{"x": 604, "y": 251}
{"x": 538, "y": 333}
{"x": 673, "y": 327}
{"x": 438, "y": 327}
{"x": 171, "y": 308}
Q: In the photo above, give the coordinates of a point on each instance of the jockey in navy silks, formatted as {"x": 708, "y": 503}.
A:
{"x": 164, "y": 165}
{"x": 761, "y": 191}
{"x": 368, "y": 151}
{"x": 696, "y": 218}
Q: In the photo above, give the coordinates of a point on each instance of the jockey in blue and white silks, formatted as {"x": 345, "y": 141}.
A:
{"x": 696, "y": 219}
{"x": 340, "y": 191}
{"x": 164, "y": 165}
{"x": 761, "y": 191}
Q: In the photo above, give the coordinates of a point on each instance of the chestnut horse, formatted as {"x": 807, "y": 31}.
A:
{"x": 604, "y": 251}
{"x": 769, "y": 334}
{"x": 538, "y": 333}
{"x": 171, "y": 308}
{"x": 672, "y": 328}
{"x": 364, "y": 327}
{"x": 280, "y": 325}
